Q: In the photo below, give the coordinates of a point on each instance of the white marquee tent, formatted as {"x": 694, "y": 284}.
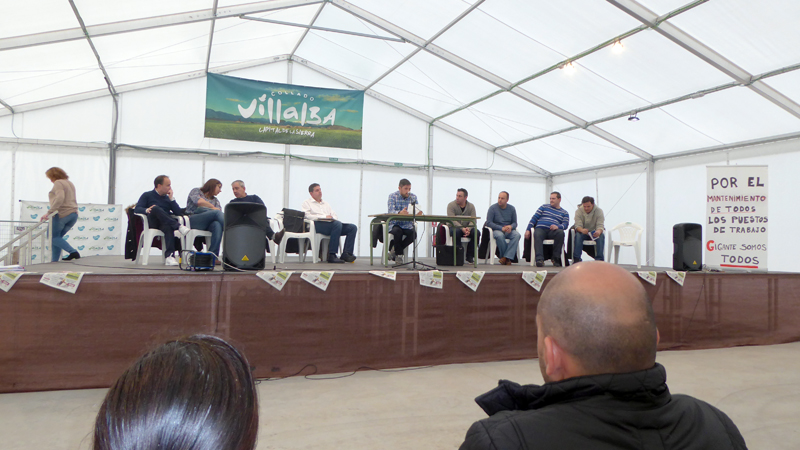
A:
{"x": 525, "y": 96}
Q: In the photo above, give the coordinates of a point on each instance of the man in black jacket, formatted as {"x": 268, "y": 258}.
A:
{"x": 597, "y": 342}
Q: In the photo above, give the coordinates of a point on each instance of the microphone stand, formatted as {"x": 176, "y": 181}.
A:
{"x": 413, "y": 261}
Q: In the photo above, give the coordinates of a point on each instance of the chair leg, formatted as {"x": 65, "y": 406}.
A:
{"x": 141, "y": 259}
{"x": 638, "y": 255}
{"x": 492, "y": 249}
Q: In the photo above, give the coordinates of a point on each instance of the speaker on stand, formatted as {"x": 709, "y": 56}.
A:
{"x": 244, "y": 241}
{"x": 687, "y": 246}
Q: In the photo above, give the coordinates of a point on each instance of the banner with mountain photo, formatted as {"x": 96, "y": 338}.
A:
{"x": 250, "y": 110}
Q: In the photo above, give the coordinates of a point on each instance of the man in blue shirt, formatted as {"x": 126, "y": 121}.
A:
{"x": 400, "y": 202}
{"x": 158, "y": 204}
{"x": 241, "y": 195}
{"x": 549, "y": 222}
{"x": 502, "y": 219}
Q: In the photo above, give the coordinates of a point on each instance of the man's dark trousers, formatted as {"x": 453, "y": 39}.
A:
{"x": 541, "y": 234}
{"x": 402, "y": 238}
{"x": 335, "y": 229}
{"x": 159, "y": 219}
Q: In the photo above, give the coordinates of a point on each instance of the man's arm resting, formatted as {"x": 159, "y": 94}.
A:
{"x": 477, "y": 438}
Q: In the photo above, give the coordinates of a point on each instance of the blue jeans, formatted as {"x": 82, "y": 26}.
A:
{"x": 508, "y": 250}
{"x": 598, "y": 249}
{"x": 335, "y": 229}
{"x": 62, "y": 225}
{"x": 212, "y": 220}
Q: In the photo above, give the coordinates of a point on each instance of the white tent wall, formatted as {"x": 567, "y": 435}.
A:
{"x": 85, "y": 121}
{"x": 680, "y": 194}
{"x": 7, "y": 203}
{"x": 621, "y": 193}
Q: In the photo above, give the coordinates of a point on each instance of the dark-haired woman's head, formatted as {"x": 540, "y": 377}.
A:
{"x": 194, "y": 393}
{"x": 212, "y": 187}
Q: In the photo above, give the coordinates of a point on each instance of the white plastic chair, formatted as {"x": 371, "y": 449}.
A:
{"x": 146, "y": 242}
{"x": 272, "y": 247}
{"x": 449, "y": 239}
{"x": 630, "y": 235}
{"x": 187, "y": 242}
{"x": 322, "y": 242}
{"x": 545, "y": 242}
{"x": 490, "y": 256}
{"x": 588, "y": 242}
{"x": 303, "y": 240}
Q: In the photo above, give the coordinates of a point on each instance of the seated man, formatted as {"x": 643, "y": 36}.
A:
{"x": 241, "y": 195}
{"x": 326, "y": 222}
{"x": 461, "y": 207}
{"x": 158, "y": 204}
{"x": 597, "y": 341}
{"x": 502, "y": 219}
{"x": 589, "y": 224}
{"x": 404, "y": 234}
{"x": 549, "y": 222}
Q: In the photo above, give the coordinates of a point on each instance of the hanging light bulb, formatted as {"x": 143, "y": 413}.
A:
{"x": 569, "y": 68}
{"x": 617, "y": 47}
{"x": 633, "y": 117}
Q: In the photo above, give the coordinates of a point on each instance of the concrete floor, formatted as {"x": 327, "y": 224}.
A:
{"x": 431, "y": 408}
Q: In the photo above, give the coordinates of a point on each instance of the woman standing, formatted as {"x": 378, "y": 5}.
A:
{"x": 62, "y": 200}
{"x": 205, "y": 211}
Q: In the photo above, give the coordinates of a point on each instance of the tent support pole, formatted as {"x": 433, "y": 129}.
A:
{"x": 650, "y": 228}
{"x": 429, "y": 201}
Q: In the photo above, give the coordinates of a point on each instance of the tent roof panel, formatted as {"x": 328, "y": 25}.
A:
{"x": 574, "y": 150}
{"x": 23, "y": 18}
{"x": 423, "y": 18}
{"x": 94, "y": 12}
{"x": 47, "y": 71}
{"x": 653, "y": 68}
{"x": 757, "y": 36}
{"x": 567, "y": 28}
{"x": 505, "y": 118}
{"x": 788, "y": 84}
{"x": 432, "y": 86}
{"x": 154, "y": 53}
{"x": 733, "y": 115}
{"x": 658, "y": 133}
{"x": 662, "y": 7}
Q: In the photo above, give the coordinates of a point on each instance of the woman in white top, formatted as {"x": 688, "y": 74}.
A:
{"x": 62, "y": 200}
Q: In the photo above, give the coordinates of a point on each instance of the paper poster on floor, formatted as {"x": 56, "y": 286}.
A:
{"x": 431, "y": 278}
{"x": 535, "y": 279}
{"x": 678, "y": 277}
{"x": 388, "y": 275}
{"x": 471, "y": 279}
{"x": 650, "y": 277}
{"x": 318, "y": 279}
{"x": 65, "y": 281}
{"x": 8, "y": 279}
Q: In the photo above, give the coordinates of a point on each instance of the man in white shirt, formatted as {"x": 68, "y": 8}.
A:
{"x": 326, "y": 222}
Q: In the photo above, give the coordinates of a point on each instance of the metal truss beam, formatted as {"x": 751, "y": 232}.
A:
{"x": 106, "y": 29}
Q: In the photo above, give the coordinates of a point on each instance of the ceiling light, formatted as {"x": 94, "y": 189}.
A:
{"x": 569, "y": 68}
{"x": 633, "y": 117}
{"x": 617, "y": 47}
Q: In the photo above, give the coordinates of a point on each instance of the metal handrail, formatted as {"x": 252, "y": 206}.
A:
{"x": 40, "y": 230}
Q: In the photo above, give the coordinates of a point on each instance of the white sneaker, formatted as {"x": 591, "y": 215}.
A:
{"x": 183, "y": 230}
{"x": 170, "y": 261}
{"x": 399, "y": 259}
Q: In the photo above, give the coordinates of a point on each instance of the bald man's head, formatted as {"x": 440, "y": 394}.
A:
{"x": 600, "y": 314}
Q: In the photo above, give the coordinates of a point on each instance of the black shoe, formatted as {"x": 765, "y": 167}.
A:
{"x": 348, "y": 257}
{"x": 539, "y": 263}
{"x": 71, "y": 256}
{"x": 333, "y": 259}
{"x": 278, "y": 236}
{"x": 469, "y": 259}
{"x": 557, "y": 262}
{"x": 576, "y": 260}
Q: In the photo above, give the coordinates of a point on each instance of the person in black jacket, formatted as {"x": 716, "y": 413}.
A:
{"x": 597, "y": 341}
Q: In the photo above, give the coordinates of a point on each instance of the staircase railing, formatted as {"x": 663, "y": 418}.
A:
{"x": 22, "y": 244}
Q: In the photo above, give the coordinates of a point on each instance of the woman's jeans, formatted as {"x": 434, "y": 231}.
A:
{"x": 209, "y": 220}
{"x": 60, "y": 227}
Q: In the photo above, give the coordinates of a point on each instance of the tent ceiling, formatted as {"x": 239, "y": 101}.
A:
{"x": 539, "y": 81}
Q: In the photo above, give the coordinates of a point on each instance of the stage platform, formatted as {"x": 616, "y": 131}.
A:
{"x": 51, "y": 339}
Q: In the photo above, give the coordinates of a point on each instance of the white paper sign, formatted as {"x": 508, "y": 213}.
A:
{"x": 7, "y": 280}
{"x": 388, "y": 275}
{"x": 65, "y": 281}
{"x": 431, "y": 278}
{"x": 275, "y": 279}
{"x": 737, "y": 218}
{"x": 318, "y": 279}
{"x": 679, "y": 277}
{"x": 535, "y": 279}
{"x": 650, "y": 277}
{"x": 471, "y": 279}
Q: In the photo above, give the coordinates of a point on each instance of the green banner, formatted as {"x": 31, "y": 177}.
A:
{"x": 250, "y": 110}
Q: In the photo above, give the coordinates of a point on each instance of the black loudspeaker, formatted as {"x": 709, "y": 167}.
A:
{"x": 444, "y": 255}
{"x": 245, "y": 237}
{"x": 687, "y": 246}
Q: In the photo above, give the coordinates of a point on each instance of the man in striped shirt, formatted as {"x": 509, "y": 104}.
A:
{"x": 549, "y": 222}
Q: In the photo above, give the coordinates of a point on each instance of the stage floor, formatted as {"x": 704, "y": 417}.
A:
{"x": 117, "y": 265}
